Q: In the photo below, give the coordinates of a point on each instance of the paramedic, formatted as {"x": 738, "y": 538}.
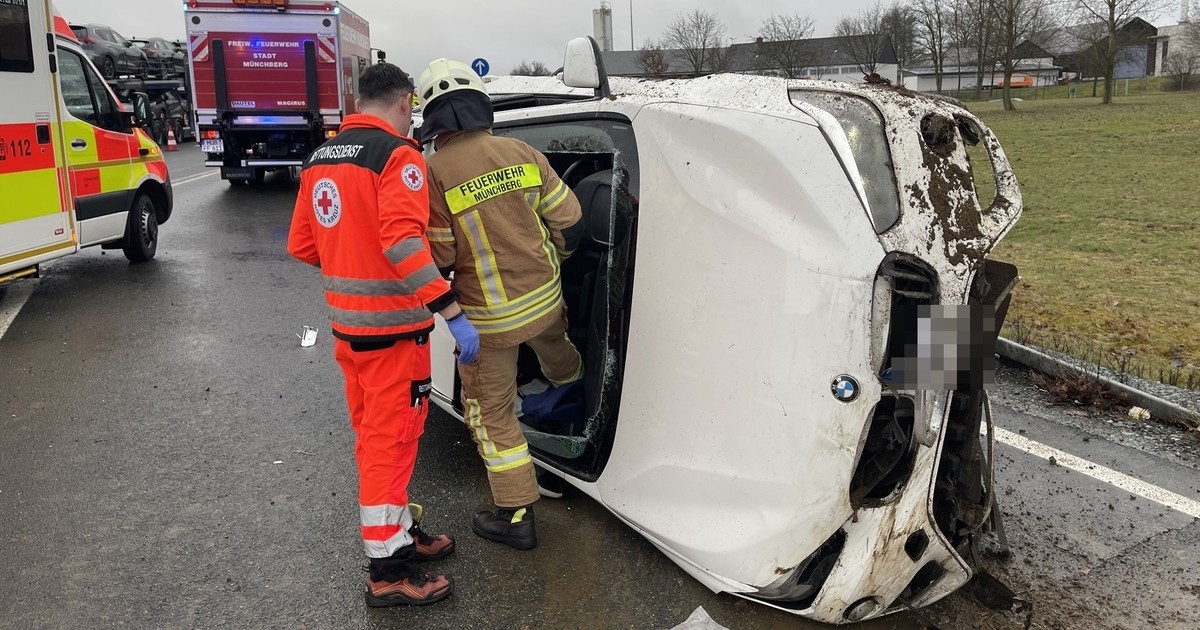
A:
{"x": 361, "y": 217}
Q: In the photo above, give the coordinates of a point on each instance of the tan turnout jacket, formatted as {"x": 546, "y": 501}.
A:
{"x": 497, "y": 215}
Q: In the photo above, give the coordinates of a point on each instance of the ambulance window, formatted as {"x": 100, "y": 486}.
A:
{"x": 76, "y": 94}
{"x": 84, "y": 93}
{"x": 16, "y": 40}
{"x": 109, "y": 116}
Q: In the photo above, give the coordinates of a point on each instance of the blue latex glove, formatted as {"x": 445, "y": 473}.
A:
{"x": 466, "y": 336}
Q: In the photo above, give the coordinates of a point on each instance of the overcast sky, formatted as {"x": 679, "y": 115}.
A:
{"x": 504, "y": 32}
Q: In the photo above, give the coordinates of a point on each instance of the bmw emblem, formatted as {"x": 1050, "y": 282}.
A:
{"x": 845, "y": 388}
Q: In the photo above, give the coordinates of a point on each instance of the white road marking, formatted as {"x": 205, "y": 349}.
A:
{"x": 1132, "y": 485}
{"x": 16, "y": 296}
{"x": 193, "y": 178}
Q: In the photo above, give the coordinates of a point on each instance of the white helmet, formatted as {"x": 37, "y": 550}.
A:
{"x": 444, "y": 76}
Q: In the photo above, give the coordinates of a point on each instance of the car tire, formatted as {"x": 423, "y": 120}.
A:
{"x": 141, "y": 230}
{"x": 108, "y": 68}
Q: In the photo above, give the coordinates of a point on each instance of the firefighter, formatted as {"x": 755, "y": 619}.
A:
{"x": 502, "y": 221}
{"x": 361, "y": 216}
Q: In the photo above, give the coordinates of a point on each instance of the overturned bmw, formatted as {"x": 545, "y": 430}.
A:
{"x": 767, "y": 268}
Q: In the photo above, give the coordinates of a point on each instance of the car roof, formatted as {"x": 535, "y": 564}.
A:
{"x": 767, "y": 95}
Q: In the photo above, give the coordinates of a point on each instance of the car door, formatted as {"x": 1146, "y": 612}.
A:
{"x": 100, "y": 150}
{"x": 132, "y": 56}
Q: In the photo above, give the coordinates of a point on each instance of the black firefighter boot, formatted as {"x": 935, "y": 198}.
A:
{"x": 511, "y": 526}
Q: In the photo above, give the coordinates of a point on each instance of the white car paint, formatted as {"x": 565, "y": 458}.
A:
{"x": 755, "y": 284}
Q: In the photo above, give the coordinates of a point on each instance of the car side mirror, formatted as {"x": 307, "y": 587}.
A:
{"x": 583, "y": 67}
{"x": 141, "y": 110}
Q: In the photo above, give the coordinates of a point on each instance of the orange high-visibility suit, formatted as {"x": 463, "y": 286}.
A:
{"x": 361, "y": 216}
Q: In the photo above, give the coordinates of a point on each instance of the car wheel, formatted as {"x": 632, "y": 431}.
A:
{"x": 108, "y": 68}
{"x": 141, "y": 230}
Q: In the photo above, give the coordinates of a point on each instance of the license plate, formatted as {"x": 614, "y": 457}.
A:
{"x": 212, "y": 146}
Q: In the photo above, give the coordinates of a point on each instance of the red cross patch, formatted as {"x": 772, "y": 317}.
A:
{"x": 413, "y": 177}
{"x": 327, "y": 202}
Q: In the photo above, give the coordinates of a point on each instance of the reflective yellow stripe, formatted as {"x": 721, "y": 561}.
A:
{"x": 503, "y": 180}
{"x": 441, "y": 235}
{"x": 513, "y": 322}
{"x": 486, "y": 269}
{"x": 514, "y": 307}
{"x": 553, "y": 200}
{"x": 510, "y": 459}
{"x": 475, "y": 421}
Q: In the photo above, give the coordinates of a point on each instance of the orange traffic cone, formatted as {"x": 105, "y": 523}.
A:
{"x": 171, "y": 146}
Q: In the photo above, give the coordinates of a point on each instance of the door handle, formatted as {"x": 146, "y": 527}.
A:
{"x": 78, "y": 143}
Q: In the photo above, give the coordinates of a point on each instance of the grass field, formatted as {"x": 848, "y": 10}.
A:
{"x": 1109, "y": 242}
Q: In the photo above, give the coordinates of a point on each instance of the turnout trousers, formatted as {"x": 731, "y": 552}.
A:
{"x": 387, "y": 391}
{"x": 489, "y": 391}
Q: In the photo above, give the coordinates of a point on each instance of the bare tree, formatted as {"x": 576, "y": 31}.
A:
{"x": 531, "y": 69}
{"x": 899, "y": 24}
{"x": 976, "y": 26}
{"x": 697, "y": 38}
{"x": 1111, "y": 16}
{"x": 1015, "y": 21}
{"x": 863, "y": 38}
{"x": 784, "y": 45}
{"x": 653, "y": 60}
{"x": 1181, "y": 65}
{"x": 933, "y": 33}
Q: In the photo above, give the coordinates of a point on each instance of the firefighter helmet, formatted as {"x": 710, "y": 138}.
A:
{"x": 444, "y": 76}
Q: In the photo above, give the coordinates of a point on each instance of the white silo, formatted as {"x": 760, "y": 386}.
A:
{"x": 602, "y": 26}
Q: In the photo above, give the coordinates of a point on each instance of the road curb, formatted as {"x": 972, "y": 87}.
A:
{"x": 1052, "y": 366}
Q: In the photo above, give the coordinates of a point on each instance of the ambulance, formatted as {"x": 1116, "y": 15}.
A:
{"x": 786, "y": 302}
{"x": 76, "y": 167}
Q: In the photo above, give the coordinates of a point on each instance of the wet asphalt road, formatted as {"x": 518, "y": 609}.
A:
{"x": 171, "y": 458}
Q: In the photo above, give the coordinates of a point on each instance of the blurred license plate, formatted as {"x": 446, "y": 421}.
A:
{"x": 212, "y": 146}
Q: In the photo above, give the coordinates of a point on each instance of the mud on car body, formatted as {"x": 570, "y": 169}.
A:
{"x": 761, "y": 258}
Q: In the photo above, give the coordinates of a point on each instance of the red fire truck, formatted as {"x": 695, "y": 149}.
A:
{"x": 272, "y": 79}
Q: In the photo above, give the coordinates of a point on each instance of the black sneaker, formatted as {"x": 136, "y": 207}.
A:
{"x": 549, "y": 484}
{"x": 511, "y": 526}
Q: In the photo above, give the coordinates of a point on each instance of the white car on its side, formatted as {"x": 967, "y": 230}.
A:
{"x": 767, "y": 268}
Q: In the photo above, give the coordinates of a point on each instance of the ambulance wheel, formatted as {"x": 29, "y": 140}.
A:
{"x": 108, "y": 68}
{"x": 141, "y": 231}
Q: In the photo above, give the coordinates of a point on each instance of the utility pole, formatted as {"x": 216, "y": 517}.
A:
{"x": 631, "y": 46}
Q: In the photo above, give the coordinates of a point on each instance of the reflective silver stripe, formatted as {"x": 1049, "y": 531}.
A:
{"x": 441, "y": 235}
{"x": 375, "y": 288}
{"x": 385, "y": 548}
{"x": 422, "y": 277}
{"x": 510, "y": 459}
{"x": 531, "y": 198}
{"x": 514, "y": 322}
{"x": 384, "y": 288}
{"x": 484, "y": 260}
{"x": 382, "y": 516}
{"x": 514, "y": 307}
{"x": 379, "y": 319}
{"x": 400, "y": 251}
{"x": 386, "y": 514}
{"x": 554, "y": 200}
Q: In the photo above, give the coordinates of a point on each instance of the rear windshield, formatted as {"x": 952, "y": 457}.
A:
{"x": 16, "y": 40}
{"x": 139, "y": 43}
{"x": 80, "y": 31}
